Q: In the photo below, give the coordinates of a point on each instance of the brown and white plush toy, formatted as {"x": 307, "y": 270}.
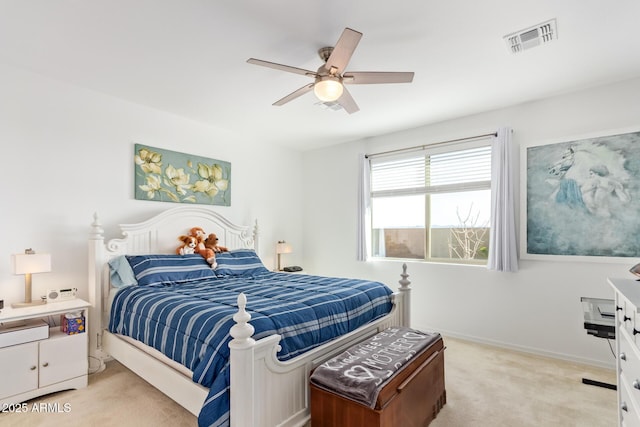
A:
{"x": 211, "y": 242}
{"x": 207, "y": 253}
{"x": 188, "y": 246}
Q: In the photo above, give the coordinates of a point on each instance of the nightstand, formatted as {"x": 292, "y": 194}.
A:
{"x": 33, "y": 364}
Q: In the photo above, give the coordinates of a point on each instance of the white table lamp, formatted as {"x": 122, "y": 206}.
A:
{"x": 28, "y": 264}
{"x": 282, "y": 248}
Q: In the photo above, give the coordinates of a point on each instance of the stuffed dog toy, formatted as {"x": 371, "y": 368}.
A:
{"x": 211, "y": 242}
{"x": 188, "y": 246}
{"x": 206, "y": 253}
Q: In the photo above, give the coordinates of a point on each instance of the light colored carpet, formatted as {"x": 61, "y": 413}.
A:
{"x": 486, "y": 386}
{"x": 114, "y": 397}
{"x": 492, "y": 387}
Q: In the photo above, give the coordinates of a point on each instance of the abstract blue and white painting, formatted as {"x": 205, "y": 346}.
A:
{"x": 583, "y": 197}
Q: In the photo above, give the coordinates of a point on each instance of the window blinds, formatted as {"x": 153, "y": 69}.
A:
{"x": 427, "y": 173}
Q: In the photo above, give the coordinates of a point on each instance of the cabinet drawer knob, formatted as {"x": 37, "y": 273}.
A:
{"x": 636, "y": 385}
{"x": 45, "y": 364}
{"x": 623, "y": 356}
{"x": 623, "y": 406}
{"x": 618, "y": 308}
{"x": 635, "y": 331}
{"x": 33, "y": 368}
{"x": 626, "y": 318}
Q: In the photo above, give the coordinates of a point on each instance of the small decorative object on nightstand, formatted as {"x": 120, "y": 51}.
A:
{"x": 28, "y": 264}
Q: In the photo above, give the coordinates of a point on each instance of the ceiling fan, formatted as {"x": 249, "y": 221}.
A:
{"x": 331, "y": 77}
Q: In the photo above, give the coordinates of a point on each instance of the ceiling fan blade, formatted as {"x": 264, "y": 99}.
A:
{"x": 347, "y": 102}
{"x": 374, "y": 77}
{"x": 294, "y": 95}
{"x": 281, "y": 67}
{"x": 343, "y": 50}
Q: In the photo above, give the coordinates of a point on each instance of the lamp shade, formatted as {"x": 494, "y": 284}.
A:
{"x": 328, "y": 89}
{"x": 31, "y": 263}
{"x": 283, "y": 248}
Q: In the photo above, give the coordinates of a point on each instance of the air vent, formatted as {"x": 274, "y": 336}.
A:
{"x": 532, "y": 37}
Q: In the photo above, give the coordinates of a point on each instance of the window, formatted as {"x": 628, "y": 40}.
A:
{"x": 432, "y": 205}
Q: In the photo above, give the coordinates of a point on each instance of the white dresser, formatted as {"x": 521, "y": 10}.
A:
{"x": 627, "y": 302}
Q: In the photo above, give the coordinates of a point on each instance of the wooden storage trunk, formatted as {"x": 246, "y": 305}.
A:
{"x": 412, "y": 398}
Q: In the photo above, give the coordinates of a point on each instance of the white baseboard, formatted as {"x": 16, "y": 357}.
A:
{"x": 524, "y": 349}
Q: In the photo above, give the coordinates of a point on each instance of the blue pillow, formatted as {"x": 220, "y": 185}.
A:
{"x": 152, "y": 269}
{"x": 120, "y": 272}
{"x": 239, "y": 262}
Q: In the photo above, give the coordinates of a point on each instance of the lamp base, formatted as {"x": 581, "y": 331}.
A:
{"x": 27, "y": 304}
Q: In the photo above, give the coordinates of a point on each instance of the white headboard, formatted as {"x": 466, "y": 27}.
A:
{"x": 156, "y": 235}
{"x": 160, "y": 233}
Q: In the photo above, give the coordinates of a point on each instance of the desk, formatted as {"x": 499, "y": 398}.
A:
{"x": 599, "y": 321}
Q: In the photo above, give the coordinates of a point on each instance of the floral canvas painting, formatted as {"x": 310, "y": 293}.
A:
{"x": 583, "y": 197}
{"x": 170, "y": 176}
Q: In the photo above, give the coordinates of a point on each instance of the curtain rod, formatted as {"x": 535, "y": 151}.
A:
{"x": 422, "y": 147}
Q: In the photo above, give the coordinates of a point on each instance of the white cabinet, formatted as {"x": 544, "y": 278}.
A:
{"x": 62, "y": 357}
{"x": 627, "y": 301}
{"x": 35, "y": 368}
{"x": 19, "y": 367}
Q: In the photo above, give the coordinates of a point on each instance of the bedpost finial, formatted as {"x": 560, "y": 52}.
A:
{"x": 242, "y": 301}
{"x": 405, "y": 292}
{"x": 404, "y": 282}
{"x": 256, "y": 233}
{"x": 242, "y": 330}
{"x": 96, "y": 228}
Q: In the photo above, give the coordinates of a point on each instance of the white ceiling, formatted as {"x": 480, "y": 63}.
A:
{"x": 189, "y": 57}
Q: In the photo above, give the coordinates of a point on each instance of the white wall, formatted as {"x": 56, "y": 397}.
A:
{"x": 68, "y": 152}
{"x": 537, "y": 309}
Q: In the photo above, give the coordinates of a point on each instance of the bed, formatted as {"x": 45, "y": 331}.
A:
{"x": 265, "y": 367}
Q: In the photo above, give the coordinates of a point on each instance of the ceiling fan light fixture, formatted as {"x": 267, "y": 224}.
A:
{"x": 328, "y": 89}
{"x": 330, "y": 77}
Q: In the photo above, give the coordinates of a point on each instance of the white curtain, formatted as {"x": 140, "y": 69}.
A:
{"x": 364, "y": 211}
{"x": 503, "y": 251}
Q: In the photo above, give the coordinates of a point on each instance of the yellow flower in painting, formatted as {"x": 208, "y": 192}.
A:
{"x": 178, "y": 179}
{"x": 152, "y": 185}
{"x": 212, "y": 180}
{"x": 172, "y": 196}
{"x": 222, "y": 184}
{"x": 206, "y": 187}
{"x": 210, "y": 173}
{"x": 149, "y": 161}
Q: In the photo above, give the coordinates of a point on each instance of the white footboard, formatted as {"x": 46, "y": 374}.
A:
{"x": 266, "y": 392}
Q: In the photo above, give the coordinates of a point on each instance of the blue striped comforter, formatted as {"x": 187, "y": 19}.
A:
{"x": 190, "y": 322}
